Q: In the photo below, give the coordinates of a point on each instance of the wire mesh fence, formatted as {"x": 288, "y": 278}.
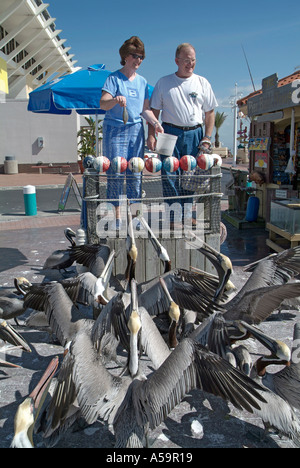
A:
{"x": 191, "y": 199}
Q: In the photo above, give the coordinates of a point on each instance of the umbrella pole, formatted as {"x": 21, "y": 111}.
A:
{"x": 97, "y": 137}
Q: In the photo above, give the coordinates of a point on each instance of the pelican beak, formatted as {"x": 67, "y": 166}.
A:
{"x": 9, "y": 334}
{"x": 103, "y": 280}
{"x": 279, "y": 350}
{"x": 106, "y": 273}
{"x": 134, "y": 295}
{"x": 40, "y": 390}
{"x": 224, "y": 280}
{"x": 134, "y": 323}
{"x": 221, "y": 262}
{"x": 174, "y": 314}
{"x": 22, "y": 285}
{"x": 9, "y": 364}
{"x": 162, "y": 253}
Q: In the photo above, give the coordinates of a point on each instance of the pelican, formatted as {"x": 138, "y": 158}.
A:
{"x": 28, "y": 411}
{"x": 131, "y": 402}
{"x": 61, "y": 259}
{"x": 91, "y": 256}
{"x": 221, "y": 262}
{"x": 256, "y": 305}
{"x": 160, "y": 249}
{"x": 276, "y": 269}
{"x": 190, "y": 290}
{"x": 9, "y": 335}
{"x": 265, "y": 289}
{"x": 282, "y": 386}
{"x": 93, "y": 288}
{"x": 285, "y": 382}
{"x": 11, "y": 304}
{"x": 34, "y": 294}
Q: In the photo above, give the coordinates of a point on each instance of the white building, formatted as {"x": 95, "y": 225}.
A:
{"x": 31, "y": 52}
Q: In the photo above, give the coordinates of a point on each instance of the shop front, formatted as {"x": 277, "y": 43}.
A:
{"x": 274, "y": 156}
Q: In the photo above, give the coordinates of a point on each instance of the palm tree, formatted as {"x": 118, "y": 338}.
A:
{"x": 220, "y": 118}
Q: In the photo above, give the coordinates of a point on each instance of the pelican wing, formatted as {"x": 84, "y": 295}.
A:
{"x": 87, "y": 287}
{"x": 92, "y": 256}
{"x": 274, "y": 270}
{"x": 61, "y": 313}
{"x": 288, "y": 261}
{"x": 151, "y": 340}
{"x": 188, "y": 367}
{"x": 36, "y": 297}
{"x": 99, "y": 393}
{"x": 61, "y": 410}
{"x": 190, "y": 290}
{"x": 256, "y": 306}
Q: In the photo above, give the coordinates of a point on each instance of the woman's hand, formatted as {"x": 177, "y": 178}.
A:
{"x": 121, "y": 100}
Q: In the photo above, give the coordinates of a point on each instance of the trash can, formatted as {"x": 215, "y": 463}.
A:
{"x": 10, "y": 165}
{"x": 29, "y": 194}
{"x": 252, "y": 209}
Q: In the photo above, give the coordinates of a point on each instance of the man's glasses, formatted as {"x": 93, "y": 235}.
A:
{"x": 188, "y": 61}
{"x": 137, "y": 56}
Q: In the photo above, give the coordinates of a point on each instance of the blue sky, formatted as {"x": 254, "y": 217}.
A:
{"x": 269, "y": 31}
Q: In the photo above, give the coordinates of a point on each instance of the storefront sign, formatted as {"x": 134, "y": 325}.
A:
{"x": 261, "y": 160}
{"x": 259, "y": 144}
{"x": 281, "y": 194}
{"x": 274, "y": 98}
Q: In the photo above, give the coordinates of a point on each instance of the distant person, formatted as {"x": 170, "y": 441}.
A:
{"x": 125, "y": 98}
{"x": 184, "y": 100}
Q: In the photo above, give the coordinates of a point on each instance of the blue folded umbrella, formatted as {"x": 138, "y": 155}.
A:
{"x": 80, "y": 91}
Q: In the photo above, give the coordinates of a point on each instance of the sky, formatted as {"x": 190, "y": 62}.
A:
{"x": 268, "y": 31}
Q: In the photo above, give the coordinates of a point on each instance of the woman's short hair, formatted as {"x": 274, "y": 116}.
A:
{"x": 134, "y": 45}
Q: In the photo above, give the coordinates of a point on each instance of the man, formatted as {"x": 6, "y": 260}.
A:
{"x": 183, "y": 98}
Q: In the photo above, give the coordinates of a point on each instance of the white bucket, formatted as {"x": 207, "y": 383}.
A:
{"x": 165, "y": 144}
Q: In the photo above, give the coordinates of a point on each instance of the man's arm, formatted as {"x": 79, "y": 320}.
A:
{"x": 151, "y": 140}
{"x": 209, "y": 123}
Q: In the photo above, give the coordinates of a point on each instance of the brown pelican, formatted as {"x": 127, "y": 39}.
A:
{"x": 132, "y": 401}
{"x": 285, "y": 382}
{"x": 34, "y": 295}
{"x": 91, "y": 256}
{"x": 256, "y": 305}
{"x": 12, "y": 304}
{"x": 160, "y": 249}
{"x": 61, "y": 259}
{"x": 283, "y": 386}
{"x": 28, "y": 411}
{"x": 221, "y": 262}
{"x": 9, "y": 335}
{"x": 276, "y": 269}
{"x": 266, "y": 288}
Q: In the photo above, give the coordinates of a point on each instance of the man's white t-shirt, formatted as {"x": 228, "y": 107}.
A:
{"x": 183, "y": 100}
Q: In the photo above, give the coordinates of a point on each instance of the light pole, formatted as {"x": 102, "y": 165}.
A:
{"x": 233, "y": 102}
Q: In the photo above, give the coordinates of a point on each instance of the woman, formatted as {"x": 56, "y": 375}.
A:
{"x": 125, "y": 98}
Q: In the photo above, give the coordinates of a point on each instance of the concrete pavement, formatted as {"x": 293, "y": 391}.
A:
{"x": 201, "y": 420}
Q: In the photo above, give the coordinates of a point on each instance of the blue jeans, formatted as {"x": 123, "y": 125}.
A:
{"x": 187, "y": 143}
{"x": 126, "y": 141}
